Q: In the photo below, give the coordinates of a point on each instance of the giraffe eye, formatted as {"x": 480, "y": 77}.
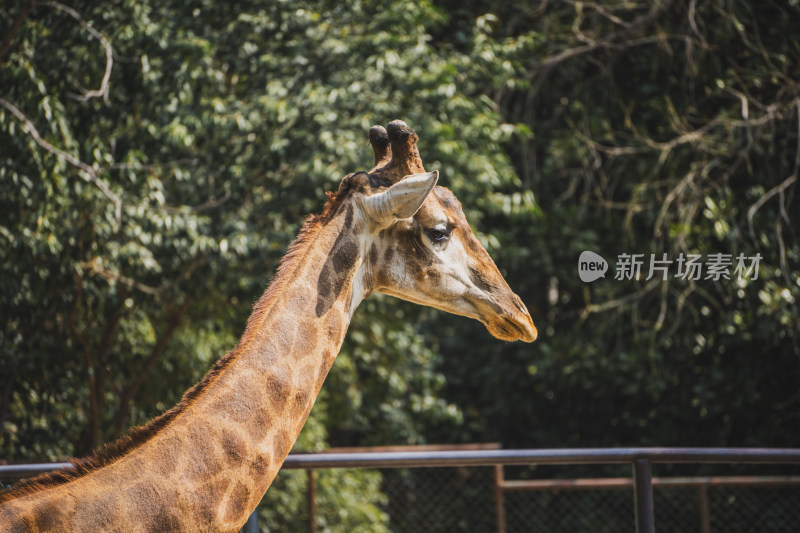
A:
{"x": 438, "y": 235}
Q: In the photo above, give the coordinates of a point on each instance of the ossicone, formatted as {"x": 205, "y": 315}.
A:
{"x": 395, "y": 151}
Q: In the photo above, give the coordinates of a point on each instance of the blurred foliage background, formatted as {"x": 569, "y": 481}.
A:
{"x": 156, "y": 158}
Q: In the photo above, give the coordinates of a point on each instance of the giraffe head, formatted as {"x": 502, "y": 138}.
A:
{"x": 418, "y": 245}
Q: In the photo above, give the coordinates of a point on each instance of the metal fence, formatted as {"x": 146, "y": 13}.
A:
{"x": 481, "y": 490}
{"x": 699, "y": 504}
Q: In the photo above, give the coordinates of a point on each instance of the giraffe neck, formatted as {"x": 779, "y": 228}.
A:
{"x": 213, "y": 457}
{"x": 264, "y": 397}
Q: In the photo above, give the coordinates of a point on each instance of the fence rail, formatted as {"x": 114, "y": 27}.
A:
{"x": 421, "y": 459}
{"x": 641, "y": 460}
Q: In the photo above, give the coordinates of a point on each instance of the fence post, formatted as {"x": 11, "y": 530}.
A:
{"x": 643, "y": 496}
{"x": 499, "y": 503}
{"x": 311, "y": 494}
{"x": 251, "y": 526}
{"x": 705, "y": 514}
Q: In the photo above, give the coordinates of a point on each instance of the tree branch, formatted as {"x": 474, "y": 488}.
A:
{"x": 778, "y": 189}
{"x": 94, "y": 267}
{"x": 622, "y": 300}
{"x": 628, "y": 28}
{"x": 103, "y": 90}
{"x": 88, "y": 171}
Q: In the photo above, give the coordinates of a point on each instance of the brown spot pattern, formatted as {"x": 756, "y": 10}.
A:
{"x": 163, "y": 520}
{"x": 258, "y": 425}
{"x": 300, "y": 404}
{"x": 154, "y": 511}
{"x": 373, "y": 254}
{"x": 48, "y": 517}
{"x": 377, "y": 182}
{"x": 237, "y": 502}
{"x": 479, "y": 281}
{"x": 340, "y": 261}
{"x": 344, "y": 256}
{"x": 433, "y": 275}
{"x": 279, "y": 386}
{"x": 306, "y": 340}
{"x": 323, "y": 371}
{"x": 245, "y": 407}
{"x": 215, "y": 492}
{"x": 388, "y": 254}
{"x": 282, "y": 443}
{"x": 258, "y": 467}
{"x": 204, "y": 503}
{"x": 234, "y": 447}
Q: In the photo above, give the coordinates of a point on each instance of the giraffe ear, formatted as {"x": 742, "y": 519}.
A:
{"x": 401, "y": 200}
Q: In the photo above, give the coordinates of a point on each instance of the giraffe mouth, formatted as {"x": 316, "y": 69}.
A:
{"x": 509, "y": 329}
{"x": 510, "y": 322}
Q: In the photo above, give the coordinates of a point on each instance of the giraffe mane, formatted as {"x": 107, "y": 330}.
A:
{"x": 294, "y": 253}
{"x": 137, "y": 436}
{"x": 119, "y": 448}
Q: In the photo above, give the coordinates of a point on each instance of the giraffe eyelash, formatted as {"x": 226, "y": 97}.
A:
{"x": 438, "y": 235}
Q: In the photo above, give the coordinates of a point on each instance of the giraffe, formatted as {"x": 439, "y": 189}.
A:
{"x": 206, "y": 463}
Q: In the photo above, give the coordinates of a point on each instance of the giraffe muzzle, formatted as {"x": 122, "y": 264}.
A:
{"x": 507, "y": 319}
{"x": 513, "y": 328}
